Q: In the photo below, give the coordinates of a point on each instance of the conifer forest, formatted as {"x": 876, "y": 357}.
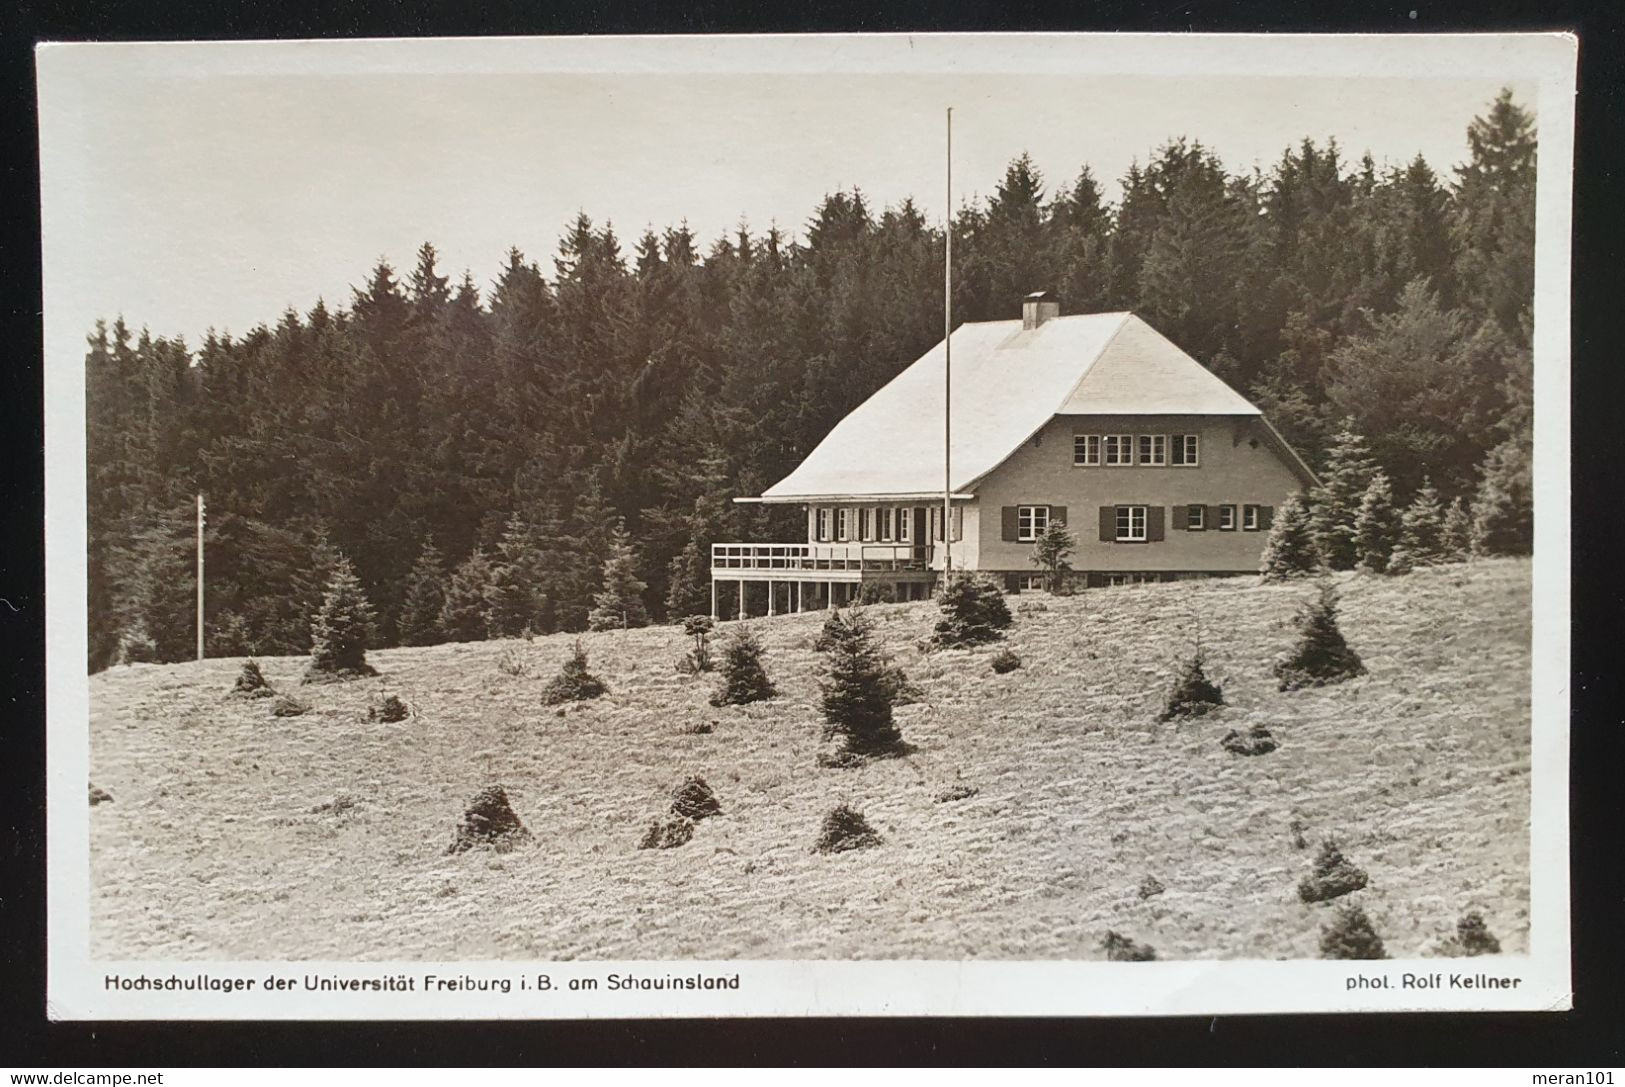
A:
{"x": 488, "y": 455}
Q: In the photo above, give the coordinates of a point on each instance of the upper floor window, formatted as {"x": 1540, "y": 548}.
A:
{"x": 1031, "y": 522}
{"x": 866, "y": 523}
{"x": 1153, "y": 449}
{"x": 1131, "y": 524}
{"x": 1251, "y": 520}
{"x": 1196, "y": 518}
{"x": 1086, "y": 449}
{"x": 843, "y": 524}
{"x": 905, "y": 524}
{"x": 1119, "y": 448}
{"x": 1227, "y": 518}
{"x": 888, "y": 523}
{"x": 821, "y": 523}
{"x": 1183, "y": 453}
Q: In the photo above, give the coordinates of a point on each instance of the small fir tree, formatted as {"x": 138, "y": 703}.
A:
{"x": 1193, "y": 694}
{"x": 1376, "y": 526}
{"x": 465, "y": 615}
{"x": 699, "y": 628}
{"x": 514, "y": 600}
{"x": 743, "y": 677}
{"x": 425, "y": 598}
{"x": 687, "y": 581}
{"x": 1052, "y": 554}
{"x": 1456, "y": 536}
{"x": 1290, "y": 551}
{"x": 574, "y": 683}
{"x": 974, "y": 612}
{"x": 1336, "y": 501}
{"x": 857, "y": 692}
{"x": 341, "y": 629}
{"x": 1421, "y": 527}
{"x": 1321, "y": 655}
{"x": 1350, "y": 936}
{"x": 1503, "y": 509}
{"x": 620, "y": 604}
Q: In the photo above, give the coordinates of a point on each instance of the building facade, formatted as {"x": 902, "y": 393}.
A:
{"x": 1157, "y": 468}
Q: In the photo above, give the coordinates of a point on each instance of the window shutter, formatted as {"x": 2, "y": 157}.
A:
{"x": 1180, "y": 517}
{"x": 1266, "y": 516}
{"x": 1213, "y": 517}
{"x": 919, "y": 525}
{"x": 1108, "y": 523}
{"x": 812, "y": 522}
{"x": 1011, "y": 524}
{"x": 1057, "y": 513}
{"x": 1153, "y": 523}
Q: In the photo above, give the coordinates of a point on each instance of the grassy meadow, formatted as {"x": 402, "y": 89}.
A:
{"x": 234, "y": 834}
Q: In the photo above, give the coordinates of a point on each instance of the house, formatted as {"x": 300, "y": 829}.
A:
{"x": 1158, "y": 468}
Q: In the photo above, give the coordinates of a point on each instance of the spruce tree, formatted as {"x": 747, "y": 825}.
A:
{"x": 1503, "y": 509}
{"x": 1321, "y": 655}
{"x": 620, "y": 603}
{"x": 1376, "y": 526}
{"x": 465, "y": 615}
{"x": 974, "y": 612}
{"x": 743, "y": 677}
{"x": 513, "y": 597}
{"x": 1336, "y": 501}
{"x": 1290, "y": 551}
{"x": 1421, "y": 529}
{"x": 341, "y": 629}
{"x": 1051, "y": 554}
{"x": 425, "y": 598}
{"x": 857, "y": 693}
{"x": 1456, "y": 535}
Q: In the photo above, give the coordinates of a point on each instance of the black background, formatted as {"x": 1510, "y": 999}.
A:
{"x": 1592, "y": 1034}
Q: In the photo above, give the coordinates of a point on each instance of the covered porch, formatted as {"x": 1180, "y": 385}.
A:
{"x": 796, "y": 577}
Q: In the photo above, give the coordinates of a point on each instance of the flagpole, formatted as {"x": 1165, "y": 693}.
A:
{"x": 947, "y": 361}
{"x": 200, "y": 575}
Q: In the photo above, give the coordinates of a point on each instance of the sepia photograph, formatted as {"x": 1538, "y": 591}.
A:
{"x": 664, "y": 506}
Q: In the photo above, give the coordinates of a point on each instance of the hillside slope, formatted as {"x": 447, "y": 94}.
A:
{"x": 218, "y": 845}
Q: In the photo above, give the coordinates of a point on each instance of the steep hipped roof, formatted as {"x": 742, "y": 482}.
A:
{"x": 1007, "y": 383}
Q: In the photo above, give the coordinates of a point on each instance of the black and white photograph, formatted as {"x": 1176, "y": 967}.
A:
{"x": 1010, "y": 524}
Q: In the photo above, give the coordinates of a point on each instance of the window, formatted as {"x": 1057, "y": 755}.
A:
{"x": 1196, "y": 518}
{"x": 866, "y": 523}
{"x": 905, "y": 524}
{"x": 1153, "y": 449}
{"x": 1031, "y": 522}
{"x": 1119, "y": 448}
{"x": 1120, "y": 580}
{"x": 888, "y": 523}
{"x": 1131, "y": 524}
{"x": 843, "y": 524}
{"x": 821, "y": 523}
{"x": 1227, "y": 518}
{"x": 1184, "y": 451}
{"x": 1033, "y": 582}
{"x": 1250, "y": 518}
{"x": 1086, "y": 449}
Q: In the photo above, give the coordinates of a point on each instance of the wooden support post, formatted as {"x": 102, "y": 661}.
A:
{"x": 800, "y": 587}
{"x": 772, "y": 597}
{"x": 713, "y": 598}
{"x": 741, "y": 598}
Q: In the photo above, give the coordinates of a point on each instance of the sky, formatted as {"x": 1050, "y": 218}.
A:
{"x": 218, "y": 199}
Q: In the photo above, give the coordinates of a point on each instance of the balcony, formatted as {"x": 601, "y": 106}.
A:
{"x": 819, "y": 562}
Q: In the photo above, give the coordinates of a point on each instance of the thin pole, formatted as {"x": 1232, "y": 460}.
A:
{"x": 200, "y": 575}
{"x": 947, "y": 359}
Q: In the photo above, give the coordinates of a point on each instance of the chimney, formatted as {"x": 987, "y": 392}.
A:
{"x": 1037, "y": 308}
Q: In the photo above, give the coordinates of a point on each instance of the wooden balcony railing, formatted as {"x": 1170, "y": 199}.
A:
{"x": 768, "y": 557}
